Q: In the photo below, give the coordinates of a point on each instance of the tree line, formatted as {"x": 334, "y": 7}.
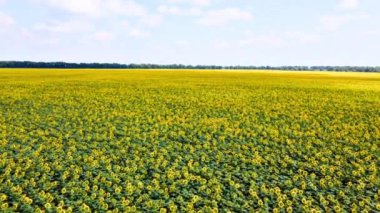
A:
{"x": 60, "y": 65}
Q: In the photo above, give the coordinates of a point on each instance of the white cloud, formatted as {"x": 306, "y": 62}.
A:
{"x": 370, "y": 32}
{"x": 63, "y": 26}
{"x": 103, "y": 36}
{"x": 194, "y": 2}
{"x": 154, "y": 20}
{"x": 137, "y": 33}
{"x": 26, "y": 33}
{"x": 125, "y": 7}
{"x": 97, "y": 8}
{"x": 217, "y": 17}
{"x": 174, "y": 10}
{"x": 334, "y": 22}
{"x": 252, "y": 41}
{"x": 222, "y": 44}
{"x": 32, "y": 37}
{"x": 348, "y": 4}
{"x": 182, "y": 43}
{"x": 303, "y": 37}
{"x": 224, "y": 16}
{"x": 169, "y": 10}
{"x": 89, "y": 9}
{"x": 134, "y": 31}
{"x": 272, "y": 40}
{"x": 83, "y": 7}
{"x": 6, "y": 20}
{"x": 266, "y": 40}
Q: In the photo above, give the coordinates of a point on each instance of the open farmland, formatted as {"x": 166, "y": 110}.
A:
{"x": 183, "y": 141}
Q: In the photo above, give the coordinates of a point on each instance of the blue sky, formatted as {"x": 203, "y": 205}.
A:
{"x": 223, "y": 32}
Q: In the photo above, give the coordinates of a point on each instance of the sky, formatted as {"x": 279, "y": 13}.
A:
{"x": 197, "y": 32}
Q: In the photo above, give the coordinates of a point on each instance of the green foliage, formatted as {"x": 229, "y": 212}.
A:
{"x": 160, "y": 141}
{"x": 64, "y": 65}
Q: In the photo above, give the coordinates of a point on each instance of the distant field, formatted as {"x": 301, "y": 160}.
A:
{"x": 183, "y": 141}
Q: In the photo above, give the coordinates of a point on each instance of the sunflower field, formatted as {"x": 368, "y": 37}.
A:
{"x": 189, "y": 141}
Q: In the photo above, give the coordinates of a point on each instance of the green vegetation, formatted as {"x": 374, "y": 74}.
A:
{"x": 55, "y": 65}
{"x": 184, "y": 141}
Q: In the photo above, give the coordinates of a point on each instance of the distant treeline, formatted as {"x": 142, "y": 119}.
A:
{"x": 59, "y": 65}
